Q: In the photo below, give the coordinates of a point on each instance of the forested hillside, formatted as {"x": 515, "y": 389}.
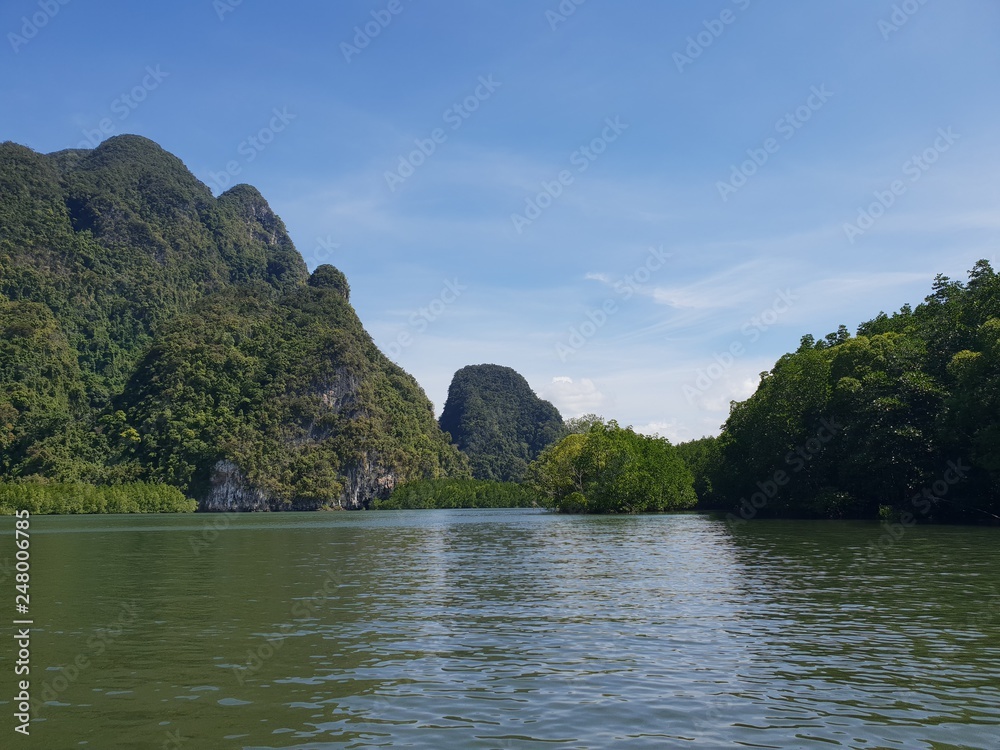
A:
{"x": 901, "y": 418}
{"x": 498, "y": 421}
{"x": 152, "y": 332}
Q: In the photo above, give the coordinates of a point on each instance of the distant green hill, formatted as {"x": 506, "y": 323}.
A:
{"x": 498, "y": 422}
{"x": 152, "y": 332}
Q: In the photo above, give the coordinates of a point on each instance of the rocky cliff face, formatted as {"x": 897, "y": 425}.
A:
{"x": 367, "y": 482}
{"x": 208, "y": 357}
{"x": 287, "y": 405}
{"x": 230, "y": 491}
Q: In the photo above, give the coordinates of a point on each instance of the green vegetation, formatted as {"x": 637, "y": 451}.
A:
{"x": 136, "y": 497}
{"x": 152, "y": 332}
{"x": 702, "y": 458}
{"x": 611, "y": 469}
{"x": 582, "y": 425}
{"x": 459, "y": 493}
{"x": 291, "y": 389}
{"x": 498, "y": 422}
{"x": 903, "y": 418}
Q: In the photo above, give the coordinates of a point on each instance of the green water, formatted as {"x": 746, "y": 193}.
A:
{"x": 505, "y": 629}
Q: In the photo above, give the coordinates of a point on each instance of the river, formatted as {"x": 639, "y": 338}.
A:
{"x": 506, "y": 629}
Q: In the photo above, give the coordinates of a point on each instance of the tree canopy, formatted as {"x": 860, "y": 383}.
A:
{"x": 914, "y": 403}
{"x": 612, "y": 469}
{"x": 153, "y": 332}
{"x": 498, "y": 422}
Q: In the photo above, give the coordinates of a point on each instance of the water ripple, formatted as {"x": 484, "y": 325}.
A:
{"x": 485, "y": 629}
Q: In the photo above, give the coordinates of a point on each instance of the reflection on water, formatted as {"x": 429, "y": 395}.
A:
{"x": 511, "y": 629}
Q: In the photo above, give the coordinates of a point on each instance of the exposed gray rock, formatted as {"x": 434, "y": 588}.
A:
{"x": 339, "y": 392}
{"x": 230, "y": 491}
{"x": 366, "y": 483}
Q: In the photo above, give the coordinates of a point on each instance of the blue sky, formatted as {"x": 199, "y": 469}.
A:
{"x": 639, "y": 205}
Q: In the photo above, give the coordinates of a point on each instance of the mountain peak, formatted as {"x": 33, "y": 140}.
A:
{"x": 496, "y": 419}
{"x": 167, "y": 335}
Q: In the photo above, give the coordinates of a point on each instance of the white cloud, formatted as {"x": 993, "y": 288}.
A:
{"x": 574, "y": 398}
{"x": 733, "y": 389}
{"x": 670, "y": 430}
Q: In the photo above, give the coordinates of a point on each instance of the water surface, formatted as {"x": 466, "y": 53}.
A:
{"x": 508, "y": 629}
